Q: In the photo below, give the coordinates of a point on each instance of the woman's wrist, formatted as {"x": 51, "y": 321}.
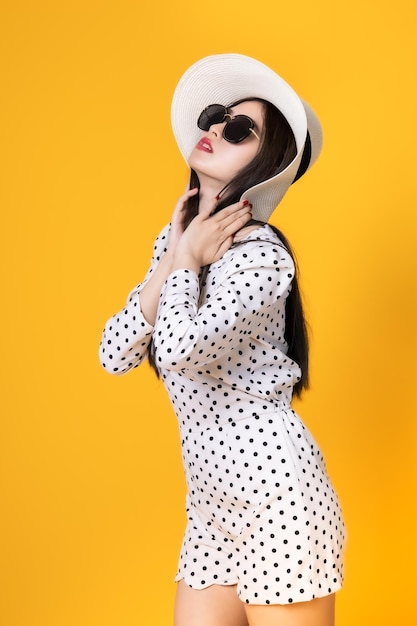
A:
{"x": 183, "y": 260}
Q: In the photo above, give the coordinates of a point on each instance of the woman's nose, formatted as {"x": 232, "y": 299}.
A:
{"x": 216, "y": 129}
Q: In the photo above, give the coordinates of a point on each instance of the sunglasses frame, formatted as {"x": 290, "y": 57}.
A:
{"x": 220, "y": 118}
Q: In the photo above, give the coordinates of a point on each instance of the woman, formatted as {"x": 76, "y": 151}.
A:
{"x": 219, "y": 314}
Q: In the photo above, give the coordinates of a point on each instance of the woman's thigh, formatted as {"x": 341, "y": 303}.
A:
{"x": 318, "y": 612}
{"x": 217, "y": 605}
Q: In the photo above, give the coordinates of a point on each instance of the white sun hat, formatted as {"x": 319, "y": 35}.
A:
{"x": 226, "y": 78}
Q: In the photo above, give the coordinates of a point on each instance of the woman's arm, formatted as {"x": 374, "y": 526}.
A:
{"x": 149, "y": 297}
{"x": 188, "y": 335}
{"x": 127, "y": 334}
{"x": 204, "y": 241}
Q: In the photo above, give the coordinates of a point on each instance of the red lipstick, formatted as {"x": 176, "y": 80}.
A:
{"x": 205, "y": 145}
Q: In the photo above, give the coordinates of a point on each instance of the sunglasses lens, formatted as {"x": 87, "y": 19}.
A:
{"x": 235, "y": 130}
{"x": 213, "y": 114}
{"x": 238, "y": 129}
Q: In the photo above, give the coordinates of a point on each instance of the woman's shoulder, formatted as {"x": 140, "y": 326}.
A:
{"x": 259, "y": 236}
{"x": 259, "y": 247}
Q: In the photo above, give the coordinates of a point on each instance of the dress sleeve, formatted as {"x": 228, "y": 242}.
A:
{"x": 127, "y": 334}
{"x": 187, "y": 335}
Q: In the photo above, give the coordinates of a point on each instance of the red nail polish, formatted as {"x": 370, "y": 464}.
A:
{"x": 217, "y": 197}
{"x": 245, "y": 202}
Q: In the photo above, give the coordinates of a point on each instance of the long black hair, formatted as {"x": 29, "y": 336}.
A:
{"x": 277, "y": 150}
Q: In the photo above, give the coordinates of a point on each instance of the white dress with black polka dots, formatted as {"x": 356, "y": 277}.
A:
{"x": 262, "y": 512}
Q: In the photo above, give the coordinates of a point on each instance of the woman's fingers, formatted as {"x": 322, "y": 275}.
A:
{"x": 177, "y": 219}
{"x": 190, "y": 192}
{"x": 209, "y": 235}
{"x": 227, "y": 211}
{"x": 183, "y": 199}
{"x": 234, "y": 217}
{"x": 226, "y": 215}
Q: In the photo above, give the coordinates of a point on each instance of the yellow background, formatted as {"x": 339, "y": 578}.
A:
{"x": 92, "y": 487}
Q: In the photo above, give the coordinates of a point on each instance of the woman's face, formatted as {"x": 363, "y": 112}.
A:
{"x": 217, "y": 160}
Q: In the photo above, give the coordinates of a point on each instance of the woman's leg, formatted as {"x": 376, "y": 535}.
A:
{"x": 217, "y": 605}
{"x": 318, "y": 612}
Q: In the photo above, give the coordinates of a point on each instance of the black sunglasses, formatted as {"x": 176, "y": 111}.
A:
{"x": 236, "y": 128}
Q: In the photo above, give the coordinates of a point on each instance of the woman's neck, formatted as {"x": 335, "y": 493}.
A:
{"x": 207, "y": 195}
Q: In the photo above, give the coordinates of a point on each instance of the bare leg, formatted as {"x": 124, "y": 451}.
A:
{"x": 217, "y": 605}
{"x": 318, "y": 612}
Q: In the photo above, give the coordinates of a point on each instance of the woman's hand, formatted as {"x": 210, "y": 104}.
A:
{"x": 177, "y": 220}
{"x": 204, "y": 241}
{"x": 149, "y": 296}
{"x": 209, "y": 236}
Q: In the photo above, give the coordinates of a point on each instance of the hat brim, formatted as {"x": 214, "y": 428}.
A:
{"x": 226, "y": 78}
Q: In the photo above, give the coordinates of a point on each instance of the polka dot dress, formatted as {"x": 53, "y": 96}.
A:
{"x": 262, "y": 513}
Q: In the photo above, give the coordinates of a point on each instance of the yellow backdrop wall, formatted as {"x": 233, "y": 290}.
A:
{"x": 92, "y": 495}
